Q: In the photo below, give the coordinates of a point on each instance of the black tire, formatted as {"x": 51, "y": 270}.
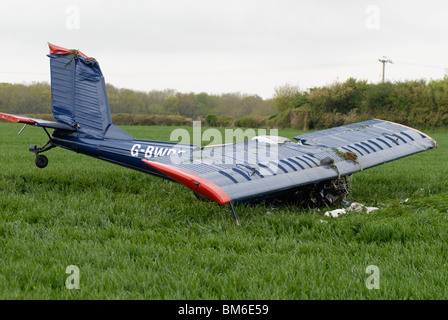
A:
{"x": 41, "y": 161}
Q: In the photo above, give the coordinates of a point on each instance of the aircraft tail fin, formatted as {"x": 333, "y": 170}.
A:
{"x": 78, "y": 93}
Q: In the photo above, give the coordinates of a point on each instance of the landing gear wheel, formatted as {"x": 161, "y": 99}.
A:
{"x": 41, "y": 161}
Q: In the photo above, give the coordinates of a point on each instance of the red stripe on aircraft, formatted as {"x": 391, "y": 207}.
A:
{"x": 16, "y": 119}
{"x": 59, "y": 50}
{"x": 192, "y": 181}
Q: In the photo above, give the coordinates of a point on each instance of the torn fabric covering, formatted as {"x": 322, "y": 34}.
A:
{"x": 59, "y": 50}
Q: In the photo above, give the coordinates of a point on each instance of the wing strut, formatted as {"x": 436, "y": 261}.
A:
{"x": 23, "y": 128}
{"x": 234, "y": 214}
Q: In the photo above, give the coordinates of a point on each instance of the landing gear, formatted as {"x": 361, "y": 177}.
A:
{"x": 41, "y": 161}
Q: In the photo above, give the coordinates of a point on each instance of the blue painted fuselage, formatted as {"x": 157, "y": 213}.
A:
{"x": 125, "y": 152}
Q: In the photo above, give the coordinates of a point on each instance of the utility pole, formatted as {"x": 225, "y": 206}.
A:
{"x": 384, "y": 61}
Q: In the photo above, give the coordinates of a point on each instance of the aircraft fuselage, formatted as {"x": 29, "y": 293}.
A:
{"x": 127, "y": 153}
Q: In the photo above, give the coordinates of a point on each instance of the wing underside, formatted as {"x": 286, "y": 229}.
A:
{"x": 253, "y": 170}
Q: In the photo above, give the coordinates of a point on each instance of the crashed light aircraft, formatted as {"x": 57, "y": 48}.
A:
{"x": 312, "y": 170}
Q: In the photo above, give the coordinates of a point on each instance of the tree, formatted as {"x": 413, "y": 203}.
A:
{"x": 156, "y": 109}
{"x": 211, "y": 119}
{"x": 245, "y": 106}
{"x": 131, "y": 101}
{"x": 283, "y": 96}
{"x": 299, "y": 99}
{"x": 203, "y": 106}
{"x": 187, "y": 105}
{"x": 170, "y": 105}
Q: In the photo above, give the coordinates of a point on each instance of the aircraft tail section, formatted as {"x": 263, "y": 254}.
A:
{"x": 79, "y": 95}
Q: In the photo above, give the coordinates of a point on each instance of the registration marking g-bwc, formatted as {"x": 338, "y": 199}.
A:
{"x": 152, "y": 151}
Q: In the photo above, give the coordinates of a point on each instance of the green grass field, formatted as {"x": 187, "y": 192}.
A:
{"x": 134, "y": 236}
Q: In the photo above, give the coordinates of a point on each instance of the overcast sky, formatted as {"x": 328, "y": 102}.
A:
{"x": 228, "y": 46}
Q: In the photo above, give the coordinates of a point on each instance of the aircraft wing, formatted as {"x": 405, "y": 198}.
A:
{"x": 253, "y": 170}
{"x": 36, "y": 122}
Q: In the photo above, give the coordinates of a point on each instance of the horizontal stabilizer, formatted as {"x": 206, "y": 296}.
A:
{"x": 36, "y": 122}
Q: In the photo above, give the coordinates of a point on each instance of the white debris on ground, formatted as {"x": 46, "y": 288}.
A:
{"x": 335, "y": 213}
{"x": 353, "y": 207}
